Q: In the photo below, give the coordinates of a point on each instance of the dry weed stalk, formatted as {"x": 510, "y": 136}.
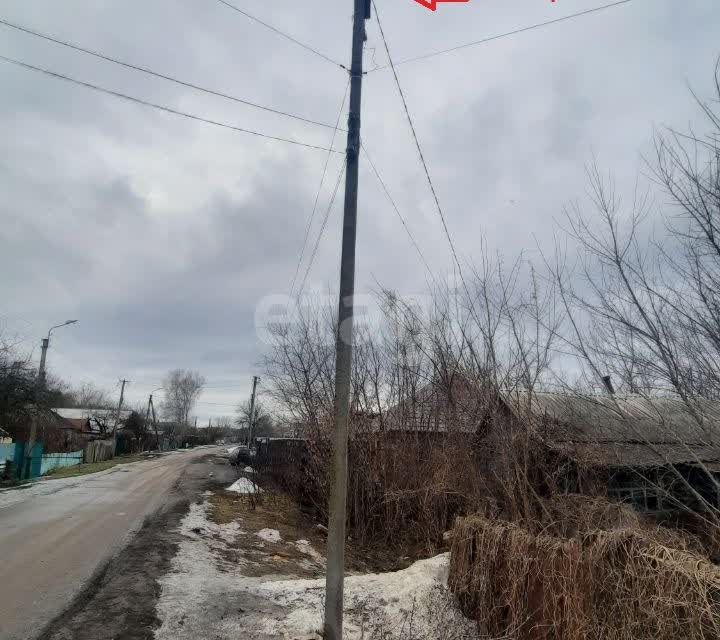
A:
{"x": 620, "y": 584}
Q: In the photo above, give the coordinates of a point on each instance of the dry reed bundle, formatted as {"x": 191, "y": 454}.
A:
{"x": 573, "y": 514}
{"x": 612, "y": 585}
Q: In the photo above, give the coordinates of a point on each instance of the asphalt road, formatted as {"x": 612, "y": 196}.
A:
{"x": 55, "y": 535}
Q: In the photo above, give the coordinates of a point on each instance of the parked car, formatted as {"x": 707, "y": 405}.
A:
{"x": 241, "y": 455}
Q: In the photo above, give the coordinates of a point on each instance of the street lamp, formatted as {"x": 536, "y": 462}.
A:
{"x": 40, "y": 383}
{"x": 45, "y": 345}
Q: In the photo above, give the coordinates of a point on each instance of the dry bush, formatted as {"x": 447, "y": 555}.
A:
{"x": 620, "y": 584}
{"x": 404, "y": 489}
{"x": 409, "y": 488}
{"x": 570, "y": 515}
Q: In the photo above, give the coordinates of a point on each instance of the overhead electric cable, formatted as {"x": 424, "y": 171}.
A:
{"x": 322, "y": 230}
{"x": 397, "y": 211}
{"x": 281, "y": 33}
{"x": 163, "y": 76}
{"x": 507, "y": 34}
{"x": 417, "y": 141}
{"x": 317, "y": 195}
{"x": 146, "y": 103}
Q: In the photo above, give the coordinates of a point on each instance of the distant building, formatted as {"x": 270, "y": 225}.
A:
{"x": 660, "y": 454}
{"x": 94, "y": 422}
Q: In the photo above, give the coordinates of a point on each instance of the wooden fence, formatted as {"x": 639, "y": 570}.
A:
{"x": 99, "y": 450}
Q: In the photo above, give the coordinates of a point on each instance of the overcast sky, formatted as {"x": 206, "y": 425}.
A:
{"x": 163, "y": 235}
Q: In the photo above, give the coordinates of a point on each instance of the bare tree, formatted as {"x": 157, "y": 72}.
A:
{"x": 263, "y": 423}
{"x": 17, "y": 387}
{"x": 647, "y": 310}
{"x": 90, "y": 396}
{"x": 182, "y": 389}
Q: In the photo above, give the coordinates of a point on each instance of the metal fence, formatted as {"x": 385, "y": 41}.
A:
{"x": 52, "y": 461}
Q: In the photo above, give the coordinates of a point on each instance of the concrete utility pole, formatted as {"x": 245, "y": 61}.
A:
{"x": 39, "y": 386}
{"x": 251, "y": 419}
{"x": 147, "y": 414}
{"x": 43, "y": 357}
{"x": 152, "y": 409}
{"x": 120, "y": 404}
{"x": 335, "y": 578}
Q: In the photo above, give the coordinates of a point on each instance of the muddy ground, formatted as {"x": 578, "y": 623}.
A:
{"x": 216, "y": 564}
{"x": 119, "y": 603}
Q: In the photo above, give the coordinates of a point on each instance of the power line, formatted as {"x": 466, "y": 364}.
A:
{"x": 228, "y": 387}
{"x": 417, "y": 141}
{"x": 507, "y": 34}
{"x": 322, "y": 230}
{"x": 317, "y": 195}
{"x": 397, "y": 211}
{"x": 227, "y": 384}
{"x": 425, "y": 167}
{"x": 156, "y": 74}
{"x": 307, "y": 47}
{"x": 161, "y": 107}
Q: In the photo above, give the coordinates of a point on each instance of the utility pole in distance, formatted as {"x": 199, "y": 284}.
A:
{"x": 120, "y": 404}
{"x": 147, "y": 415}
{"x": 251, "y": 418}
{"x": 152, "y": 410}
{"x": 335, "y": 577}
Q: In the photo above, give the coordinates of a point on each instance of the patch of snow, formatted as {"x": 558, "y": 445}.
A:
{"x": 414, "y": 601}
{"x": 269, "y": 535}
{"x": 204, "y": 539}
{"x": 207, "y": 596}
{"x": 248, "y": 470}
{"x": 232, "y": 450}
{"x": 243, "y": 485}
{"x": 303, "y": 546}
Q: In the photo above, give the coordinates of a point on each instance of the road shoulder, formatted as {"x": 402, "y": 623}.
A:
{"x": 120, "y": 599}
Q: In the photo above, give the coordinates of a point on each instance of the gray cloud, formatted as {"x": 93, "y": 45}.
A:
{"x": 163, "y": 235}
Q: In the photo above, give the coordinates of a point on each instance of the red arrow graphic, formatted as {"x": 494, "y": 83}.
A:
{"x": 432, "y": 4}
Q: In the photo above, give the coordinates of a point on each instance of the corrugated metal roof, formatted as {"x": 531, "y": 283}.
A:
{"x": 604, "y": 418}
{"x": 626, "y": 454}
{"x": 433, "y": 409}
{"x": 80, "y": 414}
{"x": 622, "y": 431}
{"x": 625, "y": 431}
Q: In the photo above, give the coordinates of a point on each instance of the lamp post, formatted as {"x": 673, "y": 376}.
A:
{"x": 43, "y": 354}
{"x": 39, "y": 385}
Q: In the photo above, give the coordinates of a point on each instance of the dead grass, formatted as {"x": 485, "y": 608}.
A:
{"x": 269, "y": 510}
{"x": 619, "y": 584}
{"x": 93, "y": 467}
{"x": 275, "y": 509}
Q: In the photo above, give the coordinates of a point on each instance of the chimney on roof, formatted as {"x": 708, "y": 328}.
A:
{"x": 607, "y": 381}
